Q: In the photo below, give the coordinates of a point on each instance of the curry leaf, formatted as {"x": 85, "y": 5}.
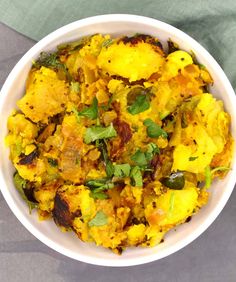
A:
{"x": 140, "y": 104}
{"x": 174, "y": 181}
{"x": 100, "y": 219}
{"x": 154, "y": 130}
{"x": 98, "y": 132}
{"x": 109, "y": 166}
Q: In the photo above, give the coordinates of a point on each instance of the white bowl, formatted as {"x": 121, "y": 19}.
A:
{"x": 67, "y": 243}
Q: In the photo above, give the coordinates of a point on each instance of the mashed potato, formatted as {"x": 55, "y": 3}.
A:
{"x": 114, "y": 138}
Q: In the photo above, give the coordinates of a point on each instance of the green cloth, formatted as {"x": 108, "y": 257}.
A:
{"x": 212, "y": 23}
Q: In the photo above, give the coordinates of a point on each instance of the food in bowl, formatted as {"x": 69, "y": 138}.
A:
{"x": 117, "y": 139}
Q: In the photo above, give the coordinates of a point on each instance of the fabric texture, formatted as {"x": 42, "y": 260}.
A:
{"x": 212, "y": 22}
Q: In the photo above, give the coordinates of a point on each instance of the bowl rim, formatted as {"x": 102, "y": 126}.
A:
{"x": 39, "y": 47}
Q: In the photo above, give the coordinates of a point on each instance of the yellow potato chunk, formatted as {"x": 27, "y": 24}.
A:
{"x": 175, "y": 62}
{"x": 45, "y": 96}
{"x": 173, "y": 207}
{"x": 133, "y": 62}
{"x": 136, "y": 234}
{"x": 204, "y": 133}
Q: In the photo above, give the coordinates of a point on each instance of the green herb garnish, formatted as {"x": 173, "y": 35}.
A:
{"x": 192, "y": 158}
{"x": 136, "y": 177}
{"x": 100, "y": 219}
{"x": 20, "y": 185}
{"x": 154, "y": 130}
{"x": 209, "y": 173}
{"x": 109, "y": 168}
{"x": 98, "y": 185}
{"x": 76, "y": 113}
{"x": 142, "y": 159}
{"x": 101, "y": 144}
{"x": 98, "y": 195}
{"x": 98, "y": 132}
{"x": 139, "y": 158}
{"x": 106, "y": 107}
{"x": 52, "y": 162}
{"x": 92, "y": 111}
{"x": 70, "y": 47}
{"x": 107, "y": 43}
{"x": 140, "y": 104}
{"x": 52, "y": 60}
{"x": 208, "y": 177}
{"x": 174, "y": 181}
{"x": 201, "y": 66}
{"x": 122, "y": 170}
{"x": 152, "y": 150}
{"x": 219, "y": 168}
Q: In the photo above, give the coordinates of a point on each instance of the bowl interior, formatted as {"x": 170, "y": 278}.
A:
{"x": 68, "y": 243}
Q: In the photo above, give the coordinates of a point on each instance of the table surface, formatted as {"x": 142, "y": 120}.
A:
{"x": 211, "y": 257}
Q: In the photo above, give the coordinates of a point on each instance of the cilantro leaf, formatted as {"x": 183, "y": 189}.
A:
{"x": 154, "y": 130}
{"x": 139, "y": 158}
{"x": 140, "y": 104}
{"x": 92, "y": 111}
{"x": 98, "y": 132}
{"x": 136, "y": 177}
{"x": 52, "y": 60}
{"x": 122, "y": 170}
{"x": 151, "y": 151}
{"x": 100, "y": 219}
{"x": 107, "y": 107}
{"x": 109, "y": 166}
{"x": 20, "y": 184}
{"x": 98, "y": 185}
{"x": 75, "y": 111}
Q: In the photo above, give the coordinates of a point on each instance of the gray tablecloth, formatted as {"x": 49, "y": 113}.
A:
{"x": 212, "y": 257}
